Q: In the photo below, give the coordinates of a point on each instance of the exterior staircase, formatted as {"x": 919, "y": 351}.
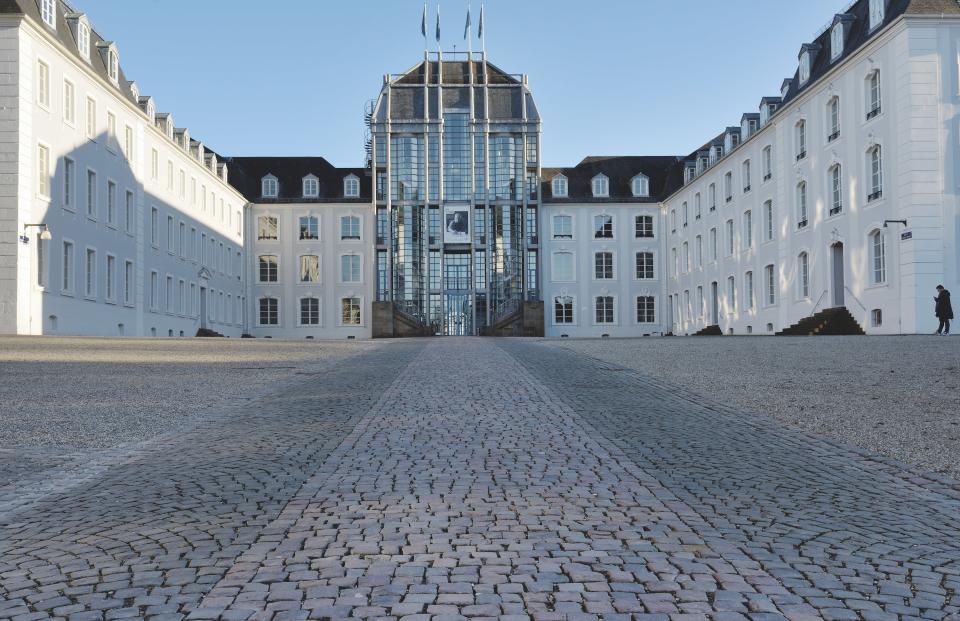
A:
{"x": 208, "y": 332}
{"x": 709, "y": 331}
{"x": 831, "y": 321}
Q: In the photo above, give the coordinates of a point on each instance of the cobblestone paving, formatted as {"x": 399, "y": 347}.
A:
{"x": 154, "y": 532}
{"x": 482, "y": 479}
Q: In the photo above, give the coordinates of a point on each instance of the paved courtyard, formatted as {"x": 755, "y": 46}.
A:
{"x": 449, "y": 479}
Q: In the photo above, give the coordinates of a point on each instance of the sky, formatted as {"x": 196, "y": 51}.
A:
{"x": 610, "y": 77}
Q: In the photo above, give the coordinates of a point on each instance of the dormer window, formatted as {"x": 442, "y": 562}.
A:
{"x": 558, "y": 187}
{"x": 48, "y": 12}
{"x": 351, "y": 186}
{"x": 311, "y": 187}
{"x": 113, "y": 66}
{"x": 836, "y": 41}
{"x": 876, "y": 13}
{"x": 601, "y": 186}
{"x": 640, "y": 186}
{"x": 269, "y": 187}
{"x": 804, "y": 67}
{"x": 83, "y": 39}
{"x": 151, "y": 111}
{"x": 134, "y": 91}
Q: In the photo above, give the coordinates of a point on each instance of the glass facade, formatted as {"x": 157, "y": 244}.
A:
{"x": 457, "y": 238}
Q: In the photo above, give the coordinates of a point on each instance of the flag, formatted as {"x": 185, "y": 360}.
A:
{"x": 480, "y": 30}
{"x": 423, "y": 22}
{"x": 466, "y": 27}
{"x": 438, "y": 23}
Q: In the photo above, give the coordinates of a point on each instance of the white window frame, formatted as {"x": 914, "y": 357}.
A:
{"x": 573, "y": 309}
{"x": 340, "y": 320}
{"x": 554, "y": 228}
{"x": 835, "y": 189}
{"x": 833, "y": 119}
{"x": 129, "y": 282}
{"x": 112, "y": 194}
{"x": 277, "y": 311}
{"x": 803, "y": 275}
{"x": 804, "y": 71}
{"x": 653, "y": 265}
{"x": 554, "y": 276}
{"x": 300, "y": 301}
{"x": 613, "y": 308}
{"x": 90, "y": 273}
{"x": 48, "y": 12}
{"x": 613, "y": 265}
{"x": 110, "y": 279}
{"x": 69, "y": 184}
{"x": 351, "y": 186}
{"x": 877, "y": 256}
{"x": 875, "y": 173}
{"x": 836, "y": 41}
{"x": 359, "y": 268}
{"x": 68, "y": 273}
{"x": 269, "y": 187}
{"x": 558, "y": 186}
{"x": 352, "y": 238}
{"x": 311, "y": 186}
{"x": 653, "y": 300}
{"x": 91, "y": 194}
{"x": 770, "y": 285}
{"x": 600, "y": 185}
{"x": 43, "y": 84}
{"x": 638, "y": 229}
{"x": 747, "y": 232}
{"x": 83, "y": 40}
{"x": 300, "y": 280}
{"x": 800, "y": 137}
{"x": 873, "y": 95}
{"x": 769, "y": 224}
{"x": 310, "y": 217}
{"x": 640, "y": 186}
{"x": 69, "y": 102}
{"x": 43, "y": 171}
{"x": 802, "y": 212}
{"x": 877, "y": 12}
{"x": 276, "y": 227}
{"x": 259, "y": 270}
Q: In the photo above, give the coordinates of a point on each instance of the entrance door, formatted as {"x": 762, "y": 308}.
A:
{"x": 457, "y": 312}
{"x": 203, "y": 307}
{"x": 836, "y": 254}
{"x": 714, "y": 305}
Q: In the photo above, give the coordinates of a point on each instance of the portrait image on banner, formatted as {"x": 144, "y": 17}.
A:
{"x": 456, "y": 221}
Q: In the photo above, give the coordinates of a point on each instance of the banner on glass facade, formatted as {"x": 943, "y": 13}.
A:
{"x": 456, "y": 224}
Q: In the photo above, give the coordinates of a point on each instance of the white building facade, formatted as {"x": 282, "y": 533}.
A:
{"x": 840, "y": 192}
{"x": 145, "y": 233}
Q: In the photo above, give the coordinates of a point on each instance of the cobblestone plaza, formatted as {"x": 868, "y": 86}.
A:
{"x": 444, "y": 479}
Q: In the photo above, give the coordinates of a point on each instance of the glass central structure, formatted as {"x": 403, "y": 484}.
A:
{"x": 455, "y": 151}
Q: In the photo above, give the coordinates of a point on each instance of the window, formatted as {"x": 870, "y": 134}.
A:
{"x": 170, "y": 175}
{"x": 154, "y": 164}
{"x": 603, "y": 227}
{"x": 686, "y": 257}
{"x": 713, "y": 244}
{"x": 645, "y": 265}
{"x": 836, "y": 190}
{"x": 746, "y": 176}
{"x": 729, "y": 237}
{"x": 111, "y": 203}
{"x": 878, "y": 258}
{"x": 113, "y": 66}
{"x": 768, "y": 228}
{"x": 603, "y": 265}
{"x": 69, "y": 102}
{"x": 748, "y": 229}
{"x": 171, "y": 244}
{"x": 128, "y": 148}
{"x": 309, "y": 268}
{"x": 48, "y": 12}
{"x": 876, "y": 13}
{"x": 876, "y": 318}
{"x": 111, "y": 292}
{"x": 563, "y": 309}
{"x": 604, "y": 308}
{"x": 698, "y": 250}
{"x": 727, "y": 187}
{"x": 731, "y": 295}
{"x": 712, "y": 196}
{"x": 646, "y": 309}
{"x": 558, "y": 186}
{"x": 309, "y": 227}
{"x": 804, "y": 66}
{"x": 696, "y": 206}
{"x": 800, "y": 133}
{"x": 90, "y": 274}
{"x": 350, "y": 227}
{"x": 673, "y": 220}
{"x": 309, "y": 312}
{"x": 83, "y": 40}
{"x": 836, "y": 41}
{"x": 803, "y": 275}
{"x": 766, "y": 161}
{"x": 876, "y": 174}
{"x": 601, "y": 186}
{"x": 91, "y": 119}
{"x": 833, "y": 119}
{"x": 43, "y": 84}
{"x": 563, "y": 266}
{"x": 69, "y": 174}
{"x": 350, "y": 311}
{"x": 771, "y": 285}
{"x": 91, "y": 194}
{"x": 268, "y": 268}
{"x": 563, "y": 227}
{"x": 182, "y": 240}
{"x": 802, "y": 205}
{"x": 182, "y": 177}
{"x": 267, "y": 228}
{"x": 66, "y": 283}
{"x": 269, "y": 312}
{"x": 748, "y": 290}
{"x": 269, "y": 187}
{"x": 351, "y": 187}
{"x": 128, "y": 282}
{"x": 641, "y": 186}
{"x": 685, "y": 213}
{"x": 43, "y": 260}
{"x": 311, "y": 187}
{"x": 154, "y": 291}
{"x": 129, "y": 217}
{"x": 643, "y": 226}
{"x": 43, "y": 170}
{"x": 350, "y": 268}
{"x": 154, "y": 227}
{"x": 111, "y": 131}
{"x": 873, "y": 95}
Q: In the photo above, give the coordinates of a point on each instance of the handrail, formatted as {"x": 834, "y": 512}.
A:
{"x": 855, "y": 298}
{"x": 817, "y": 305}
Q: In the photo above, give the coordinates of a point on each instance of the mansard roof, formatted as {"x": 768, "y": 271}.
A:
{"x": 246, "y": 173}
{"x": 454, "y": 72}
{"x": 620, "y": 170}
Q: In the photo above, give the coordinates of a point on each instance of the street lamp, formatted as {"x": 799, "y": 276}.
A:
{"x": 44, "y": 233}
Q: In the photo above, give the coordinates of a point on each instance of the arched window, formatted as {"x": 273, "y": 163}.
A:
{"x": 731, "y": 294}
{"x": 601, "y": 186}
{"x": 267, "y": 228}
{"x": 558, "y": 186}
{"x": 309, "y": 312}
{"x": 767, "y": 162}
{"x": 833, "y": 119}
{"x": 269, "y": 188}
{"x": 873, "y": 94}
{"x": 351, "y": 186}
{"x": 836, "y": 190}
{"x": 836, "y": 41}
{"x": 563, "y": 309}
{"x": 269, "y": 314}
{"x": 801, "y": 139}
{"x": 803, "y": 275}
{"x": 309, "y": 227}
{"x": 878, "y": 257}
{"x": 802, "y": 205}
{"x": 875, "y": 165}
{"x": 113, "y": 65}
{"x": 641, "y": 186}
{"x": 876, "y": 13}
{"x": 311, "y": 187}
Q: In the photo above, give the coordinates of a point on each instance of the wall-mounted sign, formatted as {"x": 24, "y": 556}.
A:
{"x": 456, "y": 224}
{"x": 906, "y": 235}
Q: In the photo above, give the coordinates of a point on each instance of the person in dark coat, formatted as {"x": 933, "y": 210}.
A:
{"x": 944, "y": 310}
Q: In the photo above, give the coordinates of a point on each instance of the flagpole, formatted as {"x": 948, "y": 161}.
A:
{"x": 423, "y": 29}
{"x": 483, "y": 34}
{"x": 468, "y": 32}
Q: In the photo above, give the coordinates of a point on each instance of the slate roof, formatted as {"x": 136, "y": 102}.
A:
{"x": 246, "y": 174}
{"x": 620, "y": 170}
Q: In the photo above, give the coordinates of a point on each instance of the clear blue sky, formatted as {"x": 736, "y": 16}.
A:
{"x": 611, "y": 77}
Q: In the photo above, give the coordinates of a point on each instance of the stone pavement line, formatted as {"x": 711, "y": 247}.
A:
{"x": 153, "y": 534}
{"x": 852, "y": 536}
{"x": 471, "y": 492}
